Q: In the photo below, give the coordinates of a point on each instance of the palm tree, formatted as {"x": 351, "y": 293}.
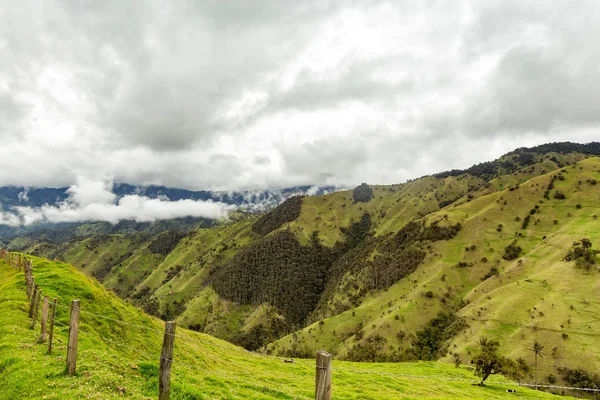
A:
{"x": 538, "y": 350}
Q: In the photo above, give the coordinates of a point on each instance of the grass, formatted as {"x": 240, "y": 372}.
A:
{"x": 541, "y": 286}
{"x": 501, "y": 307}
{"x": 118, "y": 360}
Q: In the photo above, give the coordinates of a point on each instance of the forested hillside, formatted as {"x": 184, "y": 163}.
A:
{"x": 418, "y": 270}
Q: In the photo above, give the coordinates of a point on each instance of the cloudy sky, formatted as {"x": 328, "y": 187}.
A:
{"x": 242, "y": 94}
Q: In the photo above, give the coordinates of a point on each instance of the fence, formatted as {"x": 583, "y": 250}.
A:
{"x": 47, "y": 322}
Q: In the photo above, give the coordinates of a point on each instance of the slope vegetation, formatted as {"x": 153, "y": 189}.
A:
{"x": 411, "y": 271}
{"x": 119, "y": 351}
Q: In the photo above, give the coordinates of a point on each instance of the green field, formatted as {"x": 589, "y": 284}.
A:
{"x": 118, "y": 357}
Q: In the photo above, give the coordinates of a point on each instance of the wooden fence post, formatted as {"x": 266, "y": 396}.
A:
{"x": 30, "y": 286}
{"x": 44, "y": 321}
{"x": 38, "y": 298}
{"x": 323, "y": 376}
{"x": 166, "y": 359}
{"x": 51, "y": 330}
{"x": 73, "y": 337}
{"x": 32, "y": 297}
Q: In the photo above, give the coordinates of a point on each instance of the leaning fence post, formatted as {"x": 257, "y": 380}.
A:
{"x": 166, "y": 359}
{"x": 38, "y": 298}
{"x": 323, "y": 376}
{"x": 73, "y": 337}
{"x": 51, "y": 330}
{"x": 32, "y": 304}
{"x": 44, "y": 321}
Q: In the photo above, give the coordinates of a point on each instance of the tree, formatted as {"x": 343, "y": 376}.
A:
{"x": 362, "y": 193}
{"x": 488, "y": 361}
{"x": 538, "y": 350}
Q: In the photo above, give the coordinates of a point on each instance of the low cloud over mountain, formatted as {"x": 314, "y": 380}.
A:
{"x": 95, "y": 201}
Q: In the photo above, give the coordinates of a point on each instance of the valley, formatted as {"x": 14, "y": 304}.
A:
{"x": 365, "y": 278}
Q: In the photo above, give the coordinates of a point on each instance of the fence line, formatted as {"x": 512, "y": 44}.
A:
{"x": 323, "y": 370}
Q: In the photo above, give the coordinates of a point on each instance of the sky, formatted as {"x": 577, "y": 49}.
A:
{"x": 237, "y": 94}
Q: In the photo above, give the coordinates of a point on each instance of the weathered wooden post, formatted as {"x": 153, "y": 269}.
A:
{"x": 73, "y": 338}
{"x": 44, "y": 321}
{"x": 32, "y": 297}
{"x": 166, "y": 359}
{"x": 323, "y": 376}
{"x": 36, "y": 310}
{"x": 30, "y": 286}
{"x": 51, "y": 330}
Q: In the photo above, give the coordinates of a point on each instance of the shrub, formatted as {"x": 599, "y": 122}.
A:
{"x": 492, "y": 272}
{"x": 582, "y": 254}
{"x": 512, "y": 251}
{"x": 559, "y": 195}
{"x": 526, "y": 222}
{"x": 429, "y": 343}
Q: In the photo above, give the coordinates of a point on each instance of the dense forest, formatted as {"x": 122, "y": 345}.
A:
{"x": 277, "y": 270}
{"x": 287, "y": 211}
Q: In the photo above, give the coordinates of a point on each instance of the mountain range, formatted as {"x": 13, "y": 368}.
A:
{"x": 414, "y": 271}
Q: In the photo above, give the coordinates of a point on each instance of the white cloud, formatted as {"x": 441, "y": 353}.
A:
{"x": 276, "y": 94}
{"x": 94, "y": 201}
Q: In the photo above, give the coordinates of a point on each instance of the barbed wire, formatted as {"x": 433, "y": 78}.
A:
{"x": 137, "y": 350}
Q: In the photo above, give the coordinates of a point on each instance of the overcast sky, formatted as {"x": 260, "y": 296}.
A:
{"x": 239, "y": 94}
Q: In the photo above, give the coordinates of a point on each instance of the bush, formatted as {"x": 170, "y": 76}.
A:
{"x": 559, "y": 195}
{"x": 492, "y": 272}
{"x": 580, "y": 377}
{"x": 512, "y": 251}
{"x": 429, "y": 343}
{"x": 582, "y": 254}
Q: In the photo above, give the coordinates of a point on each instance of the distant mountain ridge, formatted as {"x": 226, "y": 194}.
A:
{"x": 247, "y": 201}
{"x": 11, "y": 196}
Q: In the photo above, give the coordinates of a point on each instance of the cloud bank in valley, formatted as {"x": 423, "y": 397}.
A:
{"x": 94, "y": 201}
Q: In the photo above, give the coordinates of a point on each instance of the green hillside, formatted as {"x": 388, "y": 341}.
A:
{"x": 119, "y": 347}
{"x": 365, "y": 274}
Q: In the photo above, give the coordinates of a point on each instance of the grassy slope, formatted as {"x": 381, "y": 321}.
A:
{"x": 391, "y": 207}
{"x": 542, "y": 282}
{"x": 204, "y": 367}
